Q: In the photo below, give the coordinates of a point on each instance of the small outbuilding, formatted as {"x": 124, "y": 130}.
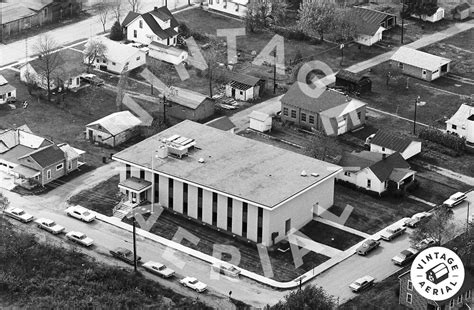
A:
{"x": 187, "y": 104}
{"x": 462, "y": 11}
{"x": 436, "y": 15}
{"x": 383, "y": 19}
{"x": 7, "y": 92}
{"x": 462, "y": 123}
{"x": 368, "y": 33}
{"x": 169, "y": 54}
{"x": 244, "y": 87}
{"x": 388, "y": 143}
{"x": 353, "y": 82}
{"x": 114, "y": 129}
{"x": 260, "y": 121}
{"x": 420, "y": 64}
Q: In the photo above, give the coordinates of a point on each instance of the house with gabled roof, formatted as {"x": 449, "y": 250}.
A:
{"x": 462, "y": 11}
{"x": 113, "y": 129}
{"x": 462, "y": 123}
{"x": 388, "y": 143}
{"x": 371, "y": 16}
{"x": 331, "y": 112}
{"x": 232, "y": 7}
{"x": 182, "y": 103}
{"x": 375, "y": 172}
{"x": 368, "y": 33}
{"x": 158, "y": 25}
{"x": 244, "y": 87}
{"x": 7, "y": 91}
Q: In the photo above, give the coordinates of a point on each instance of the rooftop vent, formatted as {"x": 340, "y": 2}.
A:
{"x": 304, "y": 174}
{"x": 201, "y": 160}
{"x": 162, "y": 151}
{"x": 314, "y": 174}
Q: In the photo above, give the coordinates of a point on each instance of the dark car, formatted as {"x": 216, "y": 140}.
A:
{"x": 367, "y": 246}
{"x": 405, "y": 256}
{"x": 92, "y": 79}
{"x": 125, "y": 255}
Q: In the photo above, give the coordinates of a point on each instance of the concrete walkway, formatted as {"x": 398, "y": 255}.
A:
{"x": 342, "y": 227}
{"x": 422, "y": 201}
{"x": 452, "y": 175}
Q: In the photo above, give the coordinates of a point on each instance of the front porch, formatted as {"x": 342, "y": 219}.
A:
{"x": 135, "y": 193}
{"x": 26, "y": 177}
{"x": 400, "y": 179}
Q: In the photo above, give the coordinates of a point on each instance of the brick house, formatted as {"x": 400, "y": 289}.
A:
{"x": 410, "y": 298}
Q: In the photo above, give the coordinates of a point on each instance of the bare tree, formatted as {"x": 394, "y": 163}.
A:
{"x": 211, "y": 55}
{"x": 134, "y": 5}
{"x": 49, "y": 60}
{"x": 94, "y": 50}
{"x": 103, "y": 9}
{"x": 116, "y": 6}
{"x": 345, "y": 24}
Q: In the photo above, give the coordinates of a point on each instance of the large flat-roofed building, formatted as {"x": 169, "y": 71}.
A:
{"x": 245, "y": 187}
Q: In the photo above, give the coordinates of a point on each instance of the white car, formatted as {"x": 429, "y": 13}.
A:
{"x": 18, "y": 214}
{"x": 426, "y": 243}
{"x": 158, "y": 269}
{"x": 49, "y": 225}
{"x": 80, "y": 238}
{"x": 415, "y": 220}
{"x": 361, "y": 283}
{"x": 80, "y": 213}
{"x": 454, "y": 200}
{"x": 194, "y": 284}
{"x": 226, "y": 269}
{"x": 392, "y": 232}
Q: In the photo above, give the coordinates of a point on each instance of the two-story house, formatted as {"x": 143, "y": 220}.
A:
{"x": 158, "y": 25}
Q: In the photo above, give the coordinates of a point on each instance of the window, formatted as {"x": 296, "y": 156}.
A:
{"x": 369, "y": 182}
{"x": 359, "y": 115}
{"x": 138, "y": 58}
{"x": 423, "y": 72}
{"x": 48, "y": 174}
{"x": 210, "y": 2}
{"x": 157, "y": 186}
{"x": 214, "y": 209}
{"x": 170, "y": 193}
{"x": 241, "y": 92}
{"x": 347, "y": 173}
{"x": 104, "y": 60}
{"x": 199, "y": 203}
{"x": 383, "y": 149}
{"x": 236, "y": 7}
{"x": 217, "y": 1}
{"x": 409, "y": 298}
{"x": 97, "y": 60}
{"x": 400, "y": 65}
{"x": 127, "y": 171}
{"x": 245, "y": 208}
{"x": 229, "y": 213}
{"x": 409, "y": 285}
{"x": 287, "y": 226}
{"x": 9, "y": 94}
{"x": 142, "y": 174}
{"x": 311, "y": 119}
{"x": 451, "y": 303}
{"x": 185, "y": 198}
{"x": 285, "y": 111}
{"x": 59, "y": 167}
{"x": 259, "y": 225}
{"x": 293, "y": 113}
{"x": 467, "y": 295}
{"x": 459, "y": 299}
{"x": 454, "y": 126}
{"x": 140, "y": 24}
{"x": 134, "y": 33}
{"x": 113, "y": 63}
{"x": 303, "y": 117}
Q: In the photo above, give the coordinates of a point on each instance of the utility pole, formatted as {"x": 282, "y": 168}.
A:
{"x": 342, "y": 53}
{"x": 402, "y": 16}
{"x": 274, "y": 70}
{"x": 414, "y": 118}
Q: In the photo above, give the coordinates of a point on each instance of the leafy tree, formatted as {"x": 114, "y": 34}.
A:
{"x": 309, "y": 298}
{"x": 3, "y": 202}
{"x": 49, "y": 60}
{"x": 438, "y": 226}
{"x": 116, "y": 32}
{"x": 316, "y": 18}
{"x": 260, "y": 13}
{"x": 345, "y": 25}
{"x": 94, "y": 49}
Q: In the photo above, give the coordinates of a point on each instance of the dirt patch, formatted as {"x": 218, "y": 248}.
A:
{"x": 330, "y": 236}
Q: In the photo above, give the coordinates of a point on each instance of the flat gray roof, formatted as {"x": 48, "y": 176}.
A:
{"x": 234, "y": 165}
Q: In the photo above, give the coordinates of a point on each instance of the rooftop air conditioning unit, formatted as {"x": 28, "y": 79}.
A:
{"x": 162, "y": 151}
{"x": 179, "y": 146}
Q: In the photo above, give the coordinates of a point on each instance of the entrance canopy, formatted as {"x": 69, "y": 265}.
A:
{"x": 25, "y": 171}
{"x": 136, "y": 185}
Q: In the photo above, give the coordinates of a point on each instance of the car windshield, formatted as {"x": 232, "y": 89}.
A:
{"x": 50, "y": 224}
{"x": 81, "y": 236}
{"x": 193, "y": 281}
{"x": 86, "y": 213}
{"x": 21, "y": 212}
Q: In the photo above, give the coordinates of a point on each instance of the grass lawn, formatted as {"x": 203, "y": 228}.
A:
{"x": 101, "y": 198}
{"x": 330, "y": 236}
{"x": 372, "y": 214}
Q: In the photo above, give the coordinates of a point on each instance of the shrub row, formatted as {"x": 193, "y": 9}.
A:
{"x": 291, "y": 33}
{"x": 450, "y": 141}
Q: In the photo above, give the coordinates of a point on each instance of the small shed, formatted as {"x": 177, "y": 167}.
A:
{"x": 6, "y": 90}
{"x": 353, "y": 82}
{"x": 260, "y": 121}
{"x": 167, "y": 53}
{"x": 244, "y": 87}
{"x": 113, "y": 129}
{"x": 462, "y": 11}
{"x": 183, "y": 104}
{"x": 437, "y": 15}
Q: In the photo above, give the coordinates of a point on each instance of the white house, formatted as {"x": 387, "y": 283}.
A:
{"x": 244, "y": 87}
{"x": 436, "y": 16}
{"x": 375, "y": 172}
{"x": 233, "y": 7}
{"x": 158, "y": 25}
{"x": 113, "y": 129}
{"x": 462, "y": 123}
{"x": 260, "y": 121}
{"x": 117, "y": 56}
{"x": 387, "y": 143}
{"x": 6, "y": 90}
{"x": 227, "y": 182}
{"x": 167, "y": 53}
{"x": 368, "y": 33}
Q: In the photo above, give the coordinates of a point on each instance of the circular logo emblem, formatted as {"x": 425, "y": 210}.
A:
{"x": 437, "y": 273}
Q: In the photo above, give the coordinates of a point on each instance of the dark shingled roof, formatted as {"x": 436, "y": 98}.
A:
{"x": 243, "y": 79}
{"x": 129, "y": 18}
{"x": 391, "y": 141}
{"x": 69, "y": 64}
{"x": 349, "y": 76}
{"x": 384, "y": 168}
{"x": 161, "y": 13}
{"x": 462, "y": 7}
{"x": 327, "y": 100}
{"x": 371, "y": 16}
{"x": 47, "y": 156}
{"x": 367, "y": 28}
{"x": 222, "y": 123}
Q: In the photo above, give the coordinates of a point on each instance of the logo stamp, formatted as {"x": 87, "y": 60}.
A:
{"x": 437, "y": 273}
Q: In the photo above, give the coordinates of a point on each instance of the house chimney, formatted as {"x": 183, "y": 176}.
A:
{"x": 156, "y": 8}
{"x": 384, "y": 156}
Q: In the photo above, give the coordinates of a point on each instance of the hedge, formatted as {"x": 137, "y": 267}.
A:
{"x": 448, "y": 140}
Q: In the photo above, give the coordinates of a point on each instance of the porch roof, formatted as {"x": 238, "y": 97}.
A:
{"x": 400, "y": 174}
{"x": 26, "y": 171}
{"x": 135, "y": 184}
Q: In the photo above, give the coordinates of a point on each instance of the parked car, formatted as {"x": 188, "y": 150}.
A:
{"x": 194, "y": 284}
{"x": 405, "y": 256}
{"x": 80, "y": 213}
{"x": 49, "y": 225}
{"x": 226, "y": 269}
{"x": 18, "y": 214}
{"x": 367, "y": 246}
{"x": 454, "y": 200}
{"x": 11, "y": 99}
{"x": 392, "y": 232}
{"x": 125, "y": 255}
{"x": 416, "y": 219}
{"x": 426, "y": 243}
{"x": 92, "y": 79}
{"x": 361, "y": 283}
{"x": 78, "y": 237}
{"x": 158, "y": 269}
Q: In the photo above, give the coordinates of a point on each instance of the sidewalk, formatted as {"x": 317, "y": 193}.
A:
{"x": 342, "y": 227}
